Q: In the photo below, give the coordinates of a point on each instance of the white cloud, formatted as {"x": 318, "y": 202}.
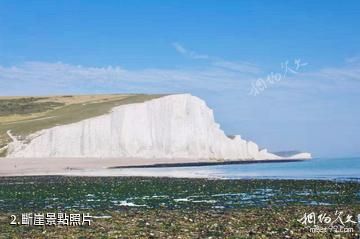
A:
{"x": 217, "y": 76}
{"x": 48, "y": 78}
{"x": 182, "y": 50}
{"x": 340, "y": 73}
{"x": 235, "y": 66}
{"x": 243, "y": 67}
{"x": 353, "y": 60}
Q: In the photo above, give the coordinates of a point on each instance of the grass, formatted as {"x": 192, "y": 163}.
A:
{"x": 3, "y": 152}
{"x": 24, "y": 116}
{"x": 26, "y": 106}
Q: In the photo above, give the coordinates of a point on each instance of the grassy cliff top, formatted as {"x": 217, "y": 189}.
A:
{"x": 26, "y": 115}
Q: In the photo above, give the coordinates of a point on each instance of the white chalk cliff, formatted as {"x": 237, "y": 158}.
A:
{"x": 174, "y": 126}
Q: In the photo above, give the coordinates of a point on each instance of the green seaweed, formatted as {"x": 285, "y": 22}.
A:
{"x": 251, "y": 208}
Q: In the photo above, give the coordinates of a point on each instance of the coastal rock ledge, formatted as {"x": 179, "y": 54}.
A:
{"x": 169, "y": 127}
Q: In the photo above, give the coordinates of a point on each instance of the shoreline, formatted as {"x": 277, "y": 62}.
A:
{"x": 73, "y": 166}
{"x": 210, "y": 163}
{"x": 207, "y": 179}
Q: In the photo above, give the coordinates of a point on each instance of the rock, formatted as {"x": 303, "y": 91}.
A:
{"x": 174, "y": 126}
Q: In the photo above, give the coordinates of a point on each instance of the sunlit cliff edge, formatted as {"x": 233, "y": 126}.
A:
{"x": 169, "y": 127}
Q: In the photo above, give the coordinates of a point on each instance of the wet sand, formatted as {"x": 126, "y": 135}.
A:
{"x": 69, "y": 166}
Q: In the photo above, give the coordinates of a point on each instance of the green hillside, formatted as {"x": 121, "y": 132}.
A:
{"x": 26, "y": 115}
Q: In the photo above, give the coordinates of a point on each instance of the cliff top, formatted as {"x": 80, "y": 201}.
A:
{"x": 24, "y": 115}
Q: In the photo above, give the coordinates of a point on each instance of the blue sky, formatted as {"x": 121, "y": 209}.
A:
{"x": 218, "y": 50}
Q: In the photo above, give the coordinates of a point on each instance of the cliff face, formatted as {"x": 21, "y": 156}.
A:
{"x": 175, "y": 126}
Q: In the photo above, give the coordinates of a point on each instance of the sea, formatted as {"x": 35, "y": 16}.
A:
{"x": 344, "y": 168}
